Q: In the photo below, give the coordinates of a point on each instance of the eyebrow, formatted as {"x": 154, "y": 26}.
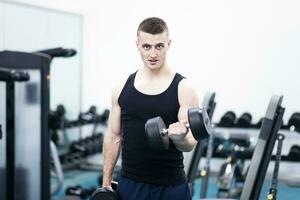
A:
{"x": 160, "y": 43}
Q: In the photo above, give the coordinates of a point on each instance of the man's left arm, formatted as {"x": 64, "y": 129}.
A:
{"x": 182, "y": 137}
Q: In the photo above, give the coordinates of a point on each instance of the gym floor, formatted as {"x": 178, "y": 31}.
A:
{"x": 89, "y": 179}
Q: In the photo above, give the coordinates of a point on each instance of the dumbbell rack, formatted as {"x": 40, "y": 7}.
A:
{"x": 78, "y": 150}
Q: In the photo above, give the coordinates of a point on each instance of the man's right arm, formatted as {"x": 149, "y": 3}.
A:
{"x": 112, "y": 139}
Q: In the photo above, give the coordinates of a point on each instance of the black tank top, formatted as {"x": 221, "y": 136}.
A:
{"x": 139, "y": 162}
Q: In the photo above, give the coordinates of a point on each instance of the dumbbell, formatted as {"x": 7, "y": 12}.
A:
{"x": 87, "y": 116}
{"x": 157, "y": 133}
{"x": 244, "y": 121}
{"x": 77, "y": 191}
{"x": 98, "y": 139}
{"x": 228, "y": 119}
{"x": 259, "y": 123}
{"x": 104, "y": 194}
{"x": 295, "y": 121}
{"x": 90, "y": 191}
{"x": 95, "y": 142}
{"x": 294, "y": 154}
{"x": 57, "y": 117}
{"x": 60, "y": 110}
{"x": 91, "y": 145}
{"x": 104, "y": 116}
{"x": 93, "y": 110}
{"x": 79, "y": 146}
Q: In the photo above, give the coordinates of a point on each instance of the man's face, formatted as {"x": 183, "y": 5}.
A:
{"x": 153, "y": 48}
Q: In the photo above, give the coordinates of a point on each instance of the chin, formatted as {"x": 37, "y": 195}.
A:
{"x": 153, "y": 67}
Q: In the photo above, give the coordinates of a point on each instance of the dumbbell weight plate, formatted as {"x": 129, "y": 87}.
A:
{"x": 156, "y": 140}
{"x": 244, "y": 121}
{"x": 199, "y": 123}
{"x": 104, "y": 194}
{"x": 105, "y": 115}
{"x": 295, "y": 121}
{"x": 228, "y": 119}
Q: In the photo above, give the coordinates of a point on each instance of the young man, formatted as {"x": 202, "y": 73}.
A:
{"x": 152, "y": 91}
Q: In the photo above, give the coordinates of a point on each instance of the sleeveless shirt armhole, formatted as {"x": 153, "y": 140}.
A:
{"x": 179, "y": 79}
{"x": 125, "y": 85}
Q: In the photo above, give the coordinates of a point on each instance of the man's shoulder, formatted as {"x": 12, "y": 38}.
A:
{"x": 119, "y": 85}
{"x": 185, "y": 84}
{"x": 186, "y": 92}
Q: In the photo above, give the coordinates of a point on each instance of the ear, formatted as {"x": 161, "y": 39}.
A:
{"x": 137, "y": 43}
{"x": 169, "y": 43}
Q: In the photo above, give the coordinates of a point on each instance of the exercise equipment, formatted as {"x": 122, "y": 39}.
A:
{"x": 272, "y": 195}
{"x": 26, "y": 137}
{"x": 84, "y": 118}
{"x": 57, "y": 117}
{"x": 294, "y": 154}
{"x": 230, "y": 178}
{"x": 205, "y": 171}
{"x": 57, "y": 169}
{"x": 210, "y": 104}
{"x": 57, "y": 121}
{"x": 58, "y": 52}
{"x": 263, "y": 150}
{"x": 244, "y": 121}
{"x": 295, "y": 121}
{"x": 77, "y": 191}
{"x": 259, "y": 123}
{"x": 26, "y": 167}
{"x": 104, "y": 194}
{"x": 88, "y": 146}
{"x": 228, "y": 119}
{"x": 11, "y": 75}
{"x": 157, "y": 133}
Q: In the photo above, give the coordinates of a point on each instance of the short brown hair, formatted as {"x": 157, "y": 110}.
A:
{"x": 153, "y": 25}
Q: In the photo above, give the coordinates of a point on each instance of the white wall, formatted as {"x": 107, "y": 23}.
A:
{"x": 244, "y": 50}
{"x": 31, "y": 28}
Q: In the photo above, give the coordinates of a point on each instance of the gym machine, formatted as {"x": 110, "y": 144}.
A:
{"x": 262, "y": 154}
{"x": 263, "y": 150}
{"x": 210, "y": 104}
{"x": 25, "y": 149}
{"x": 25, "y": 168}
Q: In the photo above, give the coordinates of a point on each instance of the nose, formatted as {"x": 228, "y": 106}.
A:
{"x": 153, "y": 53}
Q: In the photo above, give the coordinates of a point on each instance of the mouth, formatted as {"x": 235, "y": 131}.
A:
{"x": 153, "y": 61}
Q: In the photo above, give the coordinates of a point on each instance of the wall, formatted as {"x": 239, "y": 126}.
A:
{"x": 31, "y": 28}
{"x": 243, "y": 50}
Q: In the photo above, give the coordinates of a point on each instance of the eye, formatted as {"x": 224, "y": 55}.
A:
{"x": 159, "y": 46}
{"x": 146, "y": 46}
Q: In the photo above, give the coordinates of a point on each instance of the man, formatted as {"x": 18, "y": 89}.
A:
{"x": 152, "y": 91}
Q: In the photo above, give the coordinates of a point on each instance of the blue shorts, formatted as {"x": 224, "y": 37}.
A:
{"x": 131, "y": 190}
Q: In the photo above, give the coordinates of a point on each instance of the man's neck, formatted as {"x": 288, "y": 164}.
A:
{"x": 156, "y": 73}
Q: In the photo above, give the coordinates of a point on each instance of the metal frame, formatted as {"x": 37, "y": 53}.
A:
{"x": 210, "y": 104}
{"x": 263, "y": 150}
{"x": 21, "y": 60}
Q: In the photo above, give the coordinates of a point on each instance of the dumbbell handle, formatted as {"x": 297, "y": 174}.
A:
{"x": 165, "y": 131}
